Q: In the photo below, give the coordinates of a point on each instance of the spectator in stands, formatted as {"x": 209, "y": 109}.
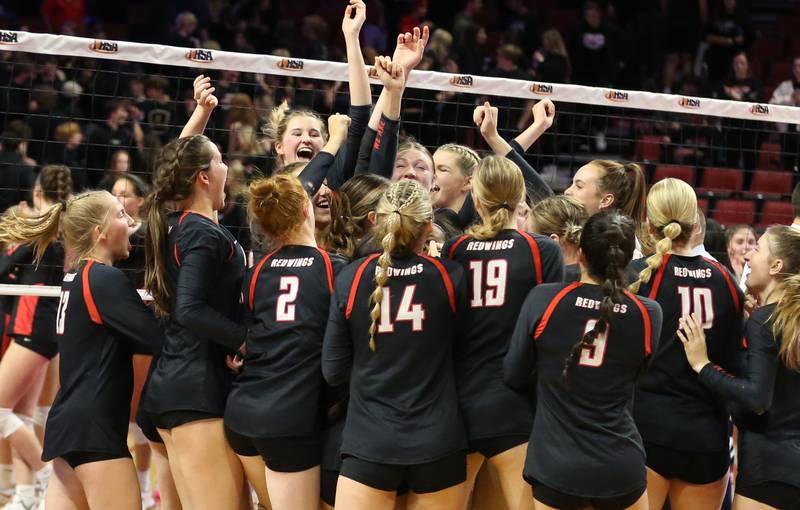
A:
{"x": 472, "y": 51}
{"x": 57, "y": 13}
{"x": 740, "y": 239}
{"x": 520, "y": 25}
{"x": 16, "y": 178}
{"x": 741, "y": 136}
{"x": 507, "y": 66}
{"x": 15, "y": 98}
{"x": 465, "y": 23}
{"x": 67, "y": 151}
{"x": 120, "y": 165}
{"x": 49, "y": 74}
{"x": 727, "y": 34}
{"x": 593, "y": 53}
{"x": 438, "y": 48}
{"x": 684, "y": 23}
{"x": 715, "y": 241}
{"x": 796, "y": 206}
{"x": 183, "y": 32}
{"x": 550, "y": 62}
{"x": 313, "y": 36}
{"x": 114, "y": 133}
{"x": 788, "y": 94}
{"x": 257, "y": 18}
{"x": 158, "y": 110}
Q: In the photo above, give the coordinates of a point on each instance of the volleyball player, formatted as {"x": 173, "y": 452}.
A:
{"x": 391, "y": 333}
{"x": 99, "y": 319}
{"x": 274, "y": 406}
{"x": 765, "y": 391}
{"x": 32, "y": 328}
{"x": 454, "y": 165}
{"x": 194, "y": 272}
{"x": 684, "y": 425}
{"x": 299, "y": 135}
{"x": 587, "y": 341}
{"x": 353, "y": 216}
{"x": 503, "y": 264}
{"x": 561, "y": 218}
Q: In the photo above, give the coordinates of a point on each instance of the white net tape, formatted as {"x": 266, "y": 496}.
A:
{"x": 337, "y": 71}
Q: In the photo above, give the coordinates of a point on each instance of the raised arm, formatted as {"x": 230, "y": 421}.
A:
{"x": 354, "y": 16}
{"x": 206, "y": 102}
{"x": 544, "y": 113}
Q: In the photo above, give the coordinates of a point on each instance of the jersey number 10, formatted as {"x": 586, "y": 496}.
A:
{"x": 698, "y": 301}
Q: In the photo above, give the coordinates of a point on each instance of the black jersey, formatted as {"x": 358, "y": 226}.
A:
{"x": 500, "y": 274}
{"x": 584, "y": 440}
{"x": 673, "y": 409}
{"x": 34, "y": 316}
{"x": 572, "y": 273}
{"x": 205, "y": 268}
{"x": 766, "y": 393}
{"x": 133, "y": 266}
{"x": 101, "y": 322}
{"x": 403, "y": 405}
{"x": 277, "y": 394}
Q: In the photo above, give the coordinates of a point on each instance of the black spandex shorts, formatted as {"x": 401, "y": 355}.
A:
{"x": 282, "y": 454}
{"x": 491, "y": 446}
{"x": 419, "y": 478}
{"x": 145, "y": 422}
{"x": 557, "y": 499}
{"x": 775, "y": 494}
{"x": 692, "y": 467}
{"x": 172, "y": 419}
{"x": 42, "y": 346}
{"x": 75, "y": 459}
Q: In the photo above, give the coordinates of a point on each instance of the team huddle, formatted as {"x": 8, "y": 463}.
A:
{"x": 405, "y": 319}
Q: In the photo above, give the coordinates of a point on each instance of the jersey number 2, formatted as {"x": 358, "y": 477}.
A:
{"x": 289, "y": 285}
{"x": 700, "y": 301}
{"x": 493, "y": 275}
{"x": 61, "y": 315}
{"x": 408, "y": 310}
{"x": 593, "y": 356}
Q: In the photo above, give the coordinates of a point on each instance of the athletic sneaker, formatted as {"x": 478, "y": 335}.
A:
{"x": 17, "y": 503}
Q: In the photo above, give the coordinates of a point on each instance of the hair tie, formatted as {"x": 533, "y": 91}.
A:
{"x": 397, "y": 211}
{"x": 673, "y": 221}
{"x": 505, "y": 206}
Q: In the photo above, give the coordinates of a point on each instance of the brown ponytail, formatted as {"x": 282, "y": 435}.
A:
{"x": 350, "y": 206}
{"x": 56, "y": 182}
{"x": 607, "y": 242}
{"x": 176, "y": 170}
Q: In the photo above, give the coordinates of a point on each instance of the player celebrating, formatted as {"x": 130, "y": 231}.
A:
{"x": 503, "y": 265}
{"x": 587, "y": 341}
{"x": 769, "y": 424}
{"x": 684, "y": 424}
{"x": 391, "y": 334}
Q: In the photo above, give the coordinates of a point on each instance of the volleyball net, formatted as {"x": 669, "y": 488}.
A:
{"x": 105, "y": 107}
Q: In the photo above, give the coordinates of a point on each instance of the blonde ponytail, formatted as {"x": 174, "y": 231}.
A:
{"x": 404, "y": 214}
{"x": 784, "y": 244}
{"x": 40, "y": 231}
{"x": 672, "y": 213}
{"x": 499, "y": 187}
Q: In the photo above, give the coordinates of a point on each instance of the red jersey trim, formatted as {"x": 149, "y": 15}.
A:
{"x": 648, "y": 326}
{"x": 456, "y": 244}
{"x": 87, "y": 294}
{"x": 351, "y": 299}
{"x": 728, "y": 280}
{"x": 251, "y": 294}
{"x": 26, "y": 311}
{"x": 659, "y": 276}
{"x": 548, "y": 312}
{"x": 175, "y": 246}
{"x": 744, "y": 342}
{"x": 448, "y": 283}
{"x": 328, "y": 268}
{"x": 537, "y": 255}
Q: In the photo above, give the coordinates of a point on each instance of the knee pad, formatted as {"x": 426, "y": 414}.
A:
{"x": 136, "y": 433}
{"x": 40, "y": 415}
{"x": 9, "y": 422}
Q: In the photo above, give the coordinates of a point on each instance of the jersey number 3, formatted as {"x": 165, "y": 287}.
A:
{"x": 61, "y": 315}
{"x": 407, "y": 311}
{"x": 489, "y": 285}
{"x": 593, "y": 355}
